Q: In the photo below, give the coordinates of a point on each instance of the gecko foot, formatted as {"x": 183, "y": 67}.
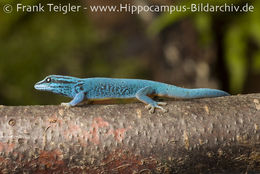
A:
{"x": 152, "y": 107}
{"x": 67, "y": 105}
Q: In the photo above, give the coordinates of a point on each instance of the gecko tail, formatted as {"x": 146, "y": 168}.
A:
{"x": 204, "y": 92}
{"x": 179, "y": 92}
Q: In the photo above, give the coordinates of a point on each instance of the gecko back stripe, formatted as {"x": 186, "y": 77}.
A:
{"x": 62, "y": 81}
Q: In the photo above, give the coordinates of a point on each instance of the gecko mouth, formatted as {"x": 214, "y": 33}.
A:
{"x": 41, "y": 87}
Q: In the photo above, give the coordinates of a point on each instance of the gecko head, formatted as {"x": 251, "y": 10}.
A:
{"x": 57, "y": 84}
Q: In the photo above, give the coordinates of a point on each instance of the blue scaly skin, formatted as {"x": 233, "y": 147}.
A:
{"x": 105, "y": 88}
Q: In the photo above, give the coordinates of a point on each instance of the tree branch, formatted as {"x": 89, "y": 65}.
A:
{"x": 214, "y": 135}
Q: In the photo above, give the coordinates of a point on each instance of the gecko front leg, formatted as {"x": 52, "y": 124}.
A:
{"x": 151, "y": 104}
{"x": 79, "y": 97}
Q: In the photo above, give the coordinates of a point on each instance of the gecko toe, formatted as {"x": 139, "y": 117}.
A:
{"x": 67, "y": 105}
{"x": 151, "y": 110}
{"x": 164, "y": 110}
{"x": 148, "y": 106}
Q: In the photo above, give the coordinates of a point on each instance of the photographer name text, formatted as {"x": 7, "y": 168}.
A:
{"x": 64, "y": 9}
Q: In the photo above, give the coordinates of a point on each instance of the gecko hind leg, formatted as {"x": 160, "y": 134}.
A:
{"x": 151, "y": 104}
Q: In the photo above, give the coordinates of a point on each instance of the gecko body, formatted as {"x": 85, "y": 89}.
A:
{"x": 106, "y": 88}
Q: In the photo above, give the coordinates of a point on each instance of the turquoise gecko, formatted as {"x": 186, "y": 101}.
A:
{"x": 105, "y": 88}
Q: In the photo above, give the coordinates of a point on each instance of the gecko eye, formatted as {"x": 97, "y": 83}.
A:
{"x": 48, "y": 80}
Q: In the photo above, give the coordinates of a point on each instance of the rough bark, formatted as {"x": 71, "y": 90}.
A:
{"x": 214, "y": 135}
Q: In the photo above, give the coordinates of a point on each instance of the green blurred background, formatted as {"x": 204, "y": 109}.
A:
{"x": 214, "y": 50}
